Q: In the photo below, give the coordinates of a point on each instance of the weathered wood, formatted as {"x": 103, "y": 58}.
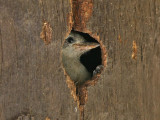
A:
{"x": 32, "y": 80}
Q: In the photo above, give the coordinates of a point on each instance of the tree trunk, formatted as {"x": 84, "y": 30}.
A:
{"x": 31, "y": 76}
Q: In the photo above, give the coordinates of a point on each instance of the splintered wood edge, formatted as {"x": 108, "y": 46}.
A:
{"x": 46, "y": 34}
{"x": 134, "y": 50}
{"x": 81, "y": 11}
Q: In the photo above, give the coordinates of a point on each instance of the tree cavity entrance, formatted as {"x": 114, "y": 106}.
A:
{"x": 81, "y": 57}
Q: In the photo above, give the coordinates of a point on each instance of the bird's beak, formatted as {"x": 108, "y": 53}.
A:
{"x": 86, "y": 46}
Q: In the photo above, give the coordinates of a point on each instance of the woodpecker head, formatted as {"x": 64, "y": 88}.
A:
{"x": 75, "y": 45}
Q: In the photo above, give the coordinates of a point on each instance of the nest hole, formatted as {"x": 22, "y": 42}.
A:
{"x": 89, "y": 59}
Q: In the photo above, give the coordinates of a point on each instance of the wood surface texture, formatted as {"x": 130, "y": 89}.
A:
{"x": 31, "y": 77}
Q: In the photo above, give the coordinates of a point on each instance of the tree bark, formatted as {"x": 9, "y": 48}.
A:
{"x": 31, "y": 77}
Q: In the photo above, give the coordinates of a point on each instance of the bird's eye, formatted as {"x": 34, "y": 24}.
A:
{"x": 70, "y": 40}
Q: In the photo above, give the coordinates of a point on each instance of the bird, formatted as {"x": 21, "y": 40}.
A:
{"x": 75, "y": 45}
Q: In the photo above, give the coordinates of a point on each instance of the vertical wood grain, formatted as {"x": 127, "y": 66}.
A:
{"x": 31, "y": 78}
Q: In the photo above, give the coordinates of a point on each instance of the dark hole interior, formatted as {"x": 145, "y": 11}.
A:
{"x": 92, "y": 58}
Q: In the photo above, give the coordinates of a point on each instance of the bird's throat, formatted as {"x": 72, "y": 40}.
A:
{"x": 75, "y": 69}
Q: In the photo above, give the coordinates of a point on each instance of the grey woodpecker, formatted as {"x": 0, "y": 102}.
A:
{"x": 74, "y": 46}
